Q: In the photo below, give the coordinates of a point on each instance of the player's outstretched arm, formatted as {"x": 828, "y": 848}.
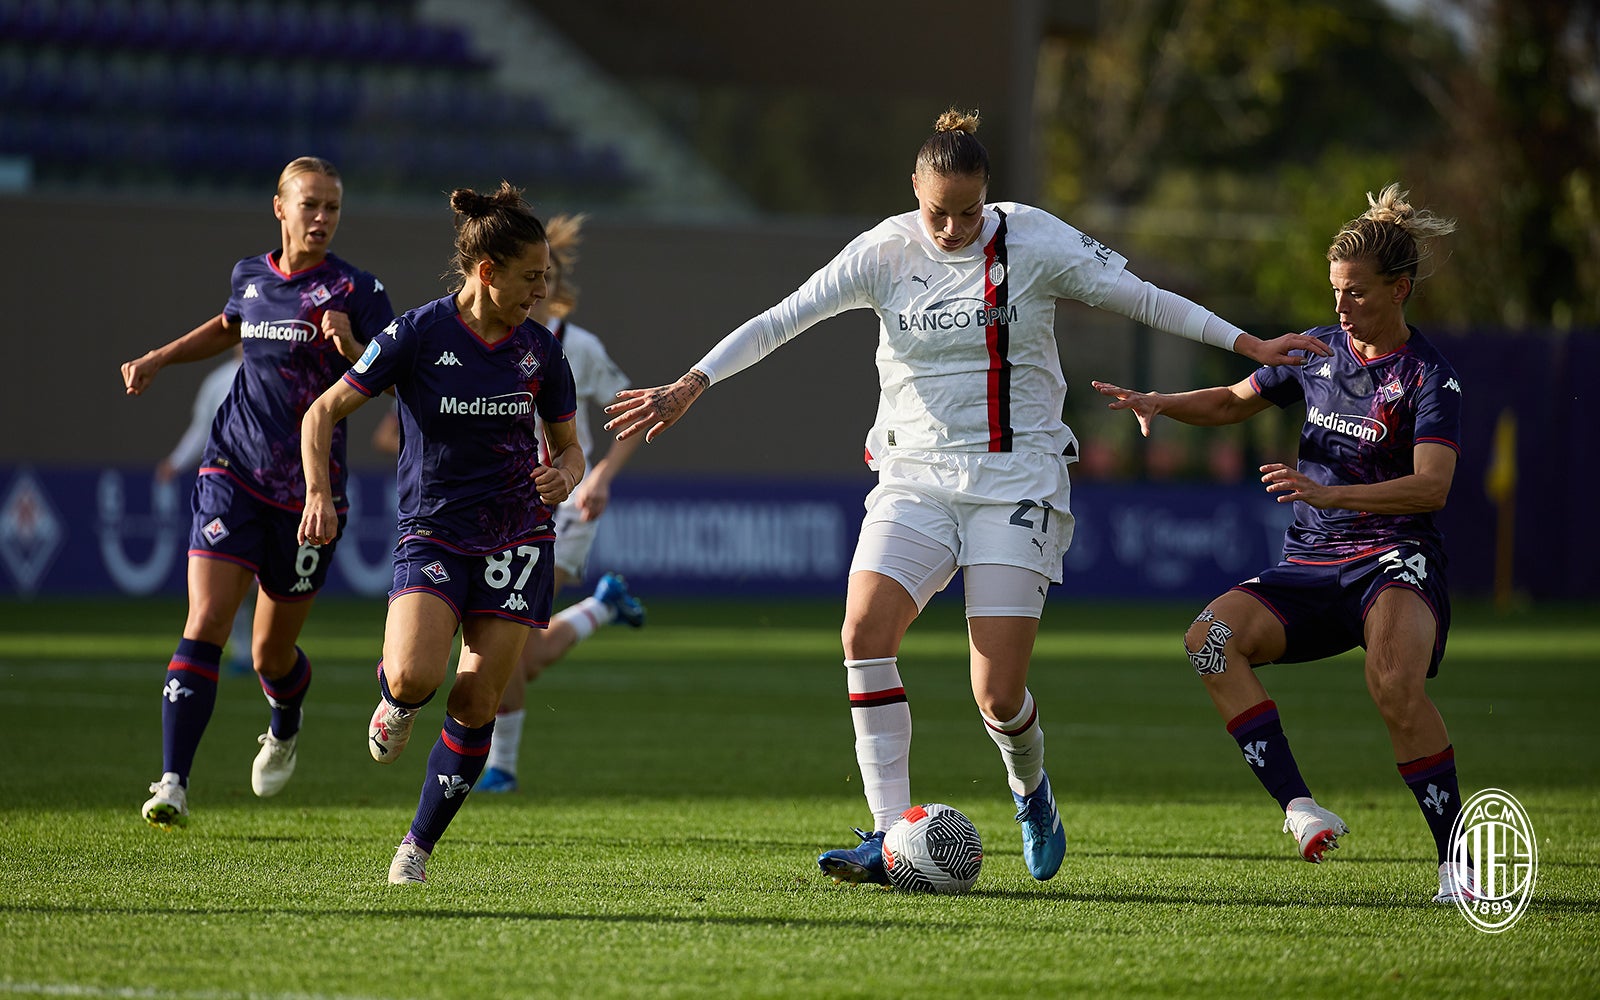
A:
{"x": 657, "y": 408}
{"x": 1223, "y": 404}
{"x": 1281, "y": 350}
{"x": 207, "y": 340}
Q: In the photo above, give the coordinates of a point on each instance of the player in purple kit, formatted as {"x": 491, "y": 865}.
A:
{"x": 302, "y": 315}
{"x": 1363, "y": 562}
{"x": 471, "y": 372}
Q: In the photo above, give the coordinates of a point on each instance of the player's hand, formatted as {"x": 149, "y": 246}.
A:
{"x": 319, "y": 522}
{"x": 658, "y": 408}
{"x": 1145, "y": 405}
{"x": 1280, "y": 350}
{"x": 139, "y": 373}
{"x": 592, "y": 497}
{"x": 336, "y": 327}
{"x": 554, "y": 483}
{"x": 1288, "y": 484}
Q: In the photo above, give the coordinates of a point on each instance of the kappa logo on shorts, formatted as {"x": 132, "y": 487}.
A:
{"x": 514, "y": 603}
{"x": 215, "y": 531}
{"x": 528, "y": 365}
{"x": 436, "y": 572}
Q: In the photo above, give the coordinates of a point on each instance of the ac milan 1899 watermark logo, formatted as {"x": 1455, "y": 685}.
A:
{"x": 1493, "y": 835}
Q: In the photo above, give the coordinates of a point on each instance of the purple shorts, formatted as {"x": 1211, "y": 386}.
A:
{"x": 516, "y": 583}
{"x": 233, "y": 524}
{"x": 1323, "y": 605}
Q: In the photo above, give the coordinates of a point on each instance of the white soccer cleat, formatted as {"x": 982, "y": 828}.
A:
{"x": 274, "y": 764}
{"x": 1315, "y": 829}
{"x": 388, "y": 731}
{"x": 408, "y": 864}
{"x": 1457, "y": 884}
{"x": 169, "y": 805}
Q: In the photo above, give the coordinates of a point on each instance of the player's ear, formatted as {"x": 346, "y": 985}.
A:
{"x": 486, "y": 271}
{"x": 1402, "y": 289}
{"x": 277, "y": 208}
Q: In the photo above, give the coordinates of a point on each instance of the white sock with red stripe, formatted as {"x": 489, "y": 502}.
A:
{"x": 882, "y": 718}
{"x": 507, "y": 744}
{"x": 1021, "y": 743}
{"x": 586, "y": 617}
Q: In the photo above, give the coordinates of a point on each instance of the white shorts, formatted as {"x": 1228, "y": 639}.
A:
{"x": 924, "y": 567}
{"x": 574, "y": 539}
{"x": 969, "y": 510}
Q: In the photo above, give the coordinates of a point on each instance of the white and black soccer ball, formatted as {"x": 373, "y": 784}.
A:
{"x": 933, "y": 848}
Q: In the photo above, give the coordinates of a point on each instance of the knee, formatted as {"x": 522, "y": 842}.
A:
{"x": 1206, "y": 642}
{"x": 1397, "y": 693}
{"x": 864, "y": 639}
{"x": 998, "y": 706}
{"x": 472, "y": 705}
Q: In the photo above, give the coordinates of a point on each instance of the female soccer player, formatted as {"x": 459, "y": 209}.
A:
{"x": 1363, "y": 562}
{"x": 970, "y": 450}
{"x": 598, "y": 380}
{"x": 302, "y": 315}
{"x": 471, "y": 371}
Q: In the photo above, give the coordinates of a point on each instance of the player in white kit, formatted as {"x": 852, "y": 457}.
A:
{"x": 970, "y": 449}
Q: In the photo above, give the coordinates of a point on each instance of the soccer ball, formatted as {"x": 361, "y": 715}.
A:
{"x": 933, "y": 848}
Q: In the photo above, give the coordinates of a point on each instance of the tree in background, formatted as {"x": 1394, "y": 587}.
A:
{"x": 1229, "y": 136}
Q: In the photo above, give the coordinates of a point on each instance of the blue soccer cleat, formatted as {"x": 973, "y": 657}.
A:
{"x": 613, "y": 592}
{"x": 857, "y": 864}
{"x": 496, "y": 781}
{"x": 1044, "y": 843}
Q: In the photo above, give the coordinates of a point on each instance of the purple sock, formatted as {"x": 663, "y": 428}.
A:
{"x": 1432, "y": 780}
{"x": 287, "y": 694}
{"x": 1260, "y": 737}
{"x": 456, "y": 761}
{"x": 187, "y": 698}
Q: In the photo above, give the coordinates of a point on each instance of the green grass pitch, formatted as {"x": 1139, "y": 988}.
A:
{"x": 679, "y": 781}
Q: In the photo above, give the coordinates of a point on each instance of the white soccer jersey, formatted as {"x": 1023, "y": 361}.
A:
{"x": 967, "y": 357}
{"x": 597, "y": 377}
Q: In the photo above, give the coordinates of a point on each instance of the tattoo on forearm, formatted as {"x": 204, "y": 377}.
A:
{"x": 698, "y": 377}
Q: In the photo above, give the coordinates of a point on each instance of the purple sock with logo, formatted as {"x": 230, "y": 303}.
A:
{"x": 1260, "y": 737}
{"x": 1432, "y": 780}
{"x": 187, "y": 698}
{"x": 456, "y": 761}
{"x": 287, "y": 694}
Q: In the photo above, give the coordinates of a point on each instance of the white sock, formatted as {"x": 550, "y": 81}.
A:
{"x": 1021, "y": 743}
{"x": 882, "y": 719}
{"x": 507, "y": 741}
{"x": 586, "y": 616}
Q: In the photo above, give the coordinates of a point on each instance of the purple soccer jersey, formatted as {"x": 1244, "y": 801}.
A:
{"x": 288, "y": 363}
{"x": 469, "y": 438}
{"x": 1364, "y": 419}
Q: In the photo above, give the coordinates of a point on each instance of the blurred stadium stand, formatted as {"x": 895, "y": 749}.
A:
{"x": 169, "y": 96}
